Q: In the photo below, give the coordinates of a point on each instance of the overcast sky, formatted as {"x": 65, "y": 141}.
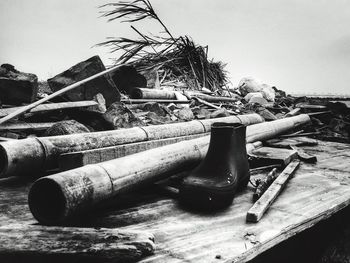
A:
{"x": 297, "y": 45}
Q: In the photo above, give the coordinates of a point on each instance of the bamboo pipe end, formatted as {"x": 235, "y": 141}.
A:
{"x": 136, "y": 93}
{"x": 47, "y": 201}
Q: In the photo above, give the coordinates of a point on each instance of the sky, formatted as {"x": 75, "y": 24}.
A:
{"x": 300, "y": 46}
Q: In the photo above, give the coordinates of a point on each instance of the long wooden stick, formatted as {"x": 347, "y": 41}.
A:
{"x": 259, "y": 208}
{"x": 51, "y": 107}
{"x": 55, "y": 94}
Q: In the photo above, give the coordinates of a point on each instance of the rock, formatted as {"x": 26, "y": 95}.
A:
{"x": 121, "y": 117}
{"x": 258, "y": 100}
{"x": 201, "y": 113}
{"x": 156, "y": 119}
{"x": 266, "y": 114}
{"x": 248, "y": 85}
{"x": 152, "y": 78}
{"x": 17, "y": 87}
{"x": 66, "y": 127}
{"x": 185, "y": 114}
{"x": 268, "y": 92}
{"x": 155, "y": 108}
{"x": 101, "y": 106}
{"x": 126, "y": 78}
{"x": 219, "y": 113}
{"x": 80, "y": 71}
{"x": 252, "y": 94}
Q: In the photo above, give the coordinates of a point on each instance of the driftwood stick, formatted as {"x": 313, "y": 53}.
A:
{"x": 259, "y": 208}
{"x": 26, "y": 126}
{"x": 212, "y": 105}
{"x": 264, "y": 184}
{"x": 51, "y": 107}
{"x": 139, "y": 101}
{"x": 53, "y": 243}
{"x": 55, "y": 94}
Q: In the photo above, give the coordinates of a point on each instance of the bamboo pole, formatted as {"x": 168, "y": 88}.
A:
{"x": 40, "y": 154}
{"x": 56, "y": 198}
{"x": 143, "y": 93}
{"x": 51, "y": 107}
{"x": 27, "y": 108}
{"x": 68, "y": 161}
{"x": 139, "y": 101}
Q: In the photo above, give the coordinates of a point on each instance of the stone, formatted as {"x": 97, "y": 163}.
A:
{"x": 152, "y": 78}
{"x": 103, "y": 84}
{"x": 185, "y": 114}
{"x": 66, "y": 127}
{"x": 219, "y": 113}
{"x": 258, "y": 100}
{"x": 126, "y": 78}
{"x": 252, "y": 94}
{"x": 155, "y": 108}
{"x": 201, "y": 113}
{"x": 266, "y": 114}
{"x": 17, "y": 87}
{"x": 121, "y": 117}
{"x": 156, "y": 119}
{"x": 268, "y": 92}
{"x": 248, "y": 85}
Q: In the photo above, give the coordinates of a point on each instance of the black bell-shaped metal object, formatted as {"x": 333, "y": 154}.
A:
{"x": 224, "y": 170}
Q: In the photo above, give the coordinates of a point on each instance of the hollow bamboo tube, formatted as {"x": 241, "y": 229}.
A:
{"x": 143, "y": 93}
{"x": 56, "y": 198}
{"x": 40, "y": 154}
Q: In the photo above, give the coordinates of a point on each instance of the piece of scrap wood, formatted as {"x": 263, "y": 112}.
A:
{"x": 268, "y": 156}
{"x": 26, "y": 126}
{"x": 51, "y": 106}
{"x": 304, "y": 156}
{"x": 259, "y": 208}
{"x": 50, "y": 243}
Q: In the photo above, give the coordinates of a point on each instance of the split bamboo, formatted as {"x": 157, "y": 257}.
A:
{"x": 56, "y": 198}
{"x": 40, "y": 154}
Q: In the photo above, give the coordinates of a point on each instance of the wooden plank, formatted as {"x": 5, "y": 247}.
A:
{"x": 316, "y": 192}
{"x": 304, "y": 156}
{"x": 51, "y": 107}
{"x": 26, "y": 126}
{"x": 54, "y": 243}
{"x": 73, "y": 160}
{"x": 268, "y": 156}
{"x": 257, "y": 211}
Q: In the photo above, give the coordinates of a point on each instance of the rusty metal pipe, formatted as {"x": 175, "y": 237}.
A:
{"x": 56, "y": 198}
{"x": 40, "y": 154}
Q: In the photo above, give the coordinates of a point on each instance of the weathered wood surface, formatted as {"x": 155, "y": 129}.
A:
{"x": 265, "y": 201}
{"x": 269, "y": 156}
{"x": 314, "y": 193}
{"x": 51, "y": 107}
{"x": 78, "y": 244}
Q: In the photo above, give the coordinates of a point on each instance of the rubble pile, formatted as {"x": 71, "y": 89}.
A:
{"x": 107, "y": 107}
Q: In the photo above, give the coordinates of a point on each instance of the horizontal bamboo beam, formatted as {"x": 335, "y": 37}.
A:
{"x": 55, "y": 198}
{"x": 139, "y": 101}
{"x": 143, "y": 93}
{"x": 26, "y": 126}
{"x": 34, "y": 243}
{"x": 73, "y": 160}
{"x": 40, "y": 154}
{"x": 51, "y": 107}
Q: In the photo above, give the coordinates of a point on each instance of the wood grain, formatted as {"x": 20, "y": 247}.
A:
{"x": 316, "y": 192}
{"x": 259, "y": 208}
